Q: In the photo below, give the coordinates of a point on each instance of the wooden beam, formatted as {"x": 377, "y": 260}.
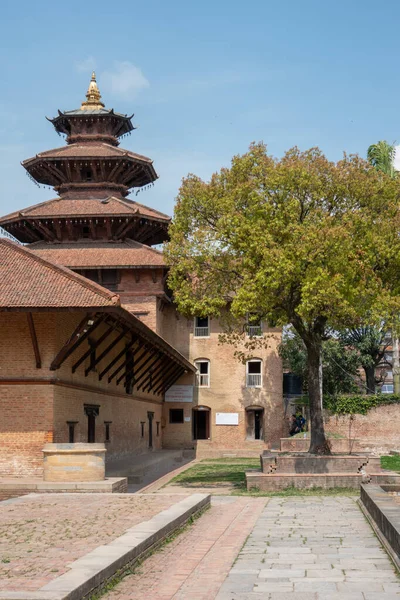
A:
{"x": 156, "y": 374}
{"x": 124, "y": 228}
{"x": 108, "y": 227}
{"x": 171, "y": 379}
{"x": 57, "y": 173}
{"x": 31, "y": 233}
{"x": 92, "y": 229}
{"x": 79, "y": 335}
{"x": 58, "y": 229}
{"x": 122, "y": 365}
{"x": 35, "y": 344}
{"x": 167, "y": 378}
{"x": 93, "y": 346}
{"x": 148, "y": 366}
{"x": 107, "y": 350}
{"x": 168, "y": 385}
{"x": 145, "y": 351}
{"x": 117, "y": 358}
{"x": 45, "y": 230}
{"x": 165, "y": 374}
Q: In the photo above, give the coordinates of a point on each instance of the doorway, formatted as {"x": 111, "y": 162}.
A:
{"x": 150, "y": 417}
{"x": 91, "y": 411}
{"x": 201, "y": 423}
{"x": 255, "y": 423}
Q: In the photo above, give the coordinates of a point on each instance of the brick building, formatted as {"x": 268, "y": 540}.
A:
{"x": 93, "y": 229}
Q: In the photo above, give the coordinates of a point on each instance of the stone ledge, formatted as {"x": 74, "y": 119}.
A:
{"x": 383, "y": 513}
{"x": 90, "y": 572}
{"x": 14, "y": 487}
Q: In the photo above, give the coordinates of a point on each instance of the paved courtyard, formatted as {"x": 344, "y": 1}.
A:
{"x": 311, "y": 548}
{"x": 40, "y": 534}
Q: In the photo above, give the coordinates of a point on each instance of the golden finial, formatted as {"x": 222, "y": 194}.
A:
{"x": 93, "y": 96}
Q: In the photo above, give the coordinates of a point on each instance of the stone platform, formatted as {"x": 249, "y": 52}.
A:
{"x": 10, "y": 488}
{"x": 338, "y": 445}
{"x": 305, "y": 471}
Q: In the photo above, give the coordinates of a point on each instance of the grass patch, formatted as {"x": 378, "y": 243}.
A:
{"x": 391, "y": 462}
{"x": 292, "y": 491}
{"x": 217, "y": 472}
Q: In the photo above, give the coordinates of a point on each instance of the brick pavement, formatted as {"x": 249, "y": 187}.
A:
{"x": 311, "y": 548}
{"x": 196, "y": 563}
{"x": 40, "y": 534}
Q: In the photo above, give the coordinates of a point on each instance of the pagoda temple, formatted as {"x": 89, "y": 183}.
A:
{"x": 93, "y": 229}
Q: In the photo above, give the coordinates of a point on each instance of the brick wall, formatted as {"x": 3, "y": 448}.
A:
{"x": 36, "y": 406}
{"x": 227, "y": 391}
{"x": 379, "y": 427}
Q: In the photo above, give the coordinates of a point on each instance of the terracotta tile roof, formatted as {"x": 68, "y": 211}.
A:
{"x": 29, "y": 281}
{"x": 99, "y": 149}
{"x": 99, "y": 254}
{"x": 60, "y": 207}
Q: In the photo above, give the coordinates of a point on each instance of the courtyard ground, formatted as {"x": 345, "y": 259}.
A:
{"x": 40, "y": 534}
{"x": 314, "y": 548}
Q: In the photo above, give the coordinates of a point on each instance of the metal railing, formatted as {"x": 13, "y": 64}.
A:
{"x": 201, "y": 331}
{"x": 254, "y": 330}
{"x": 203, "y": 380}
{"x": 253, "y": 380}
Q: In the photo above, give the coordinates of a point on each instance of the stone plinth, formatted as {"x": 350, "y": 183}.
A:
{"x": 340, "y": 445}
{"x": 297, "y": 469}
{"x": 74, "y": 462}
{"x": 312, "y": 464}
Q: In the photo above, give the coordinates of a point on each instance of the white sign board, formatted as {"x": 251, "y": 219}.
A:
{"x": 187, "y": 419}
{"x": 179, "y": 393}
{"x": 227, "y": 419}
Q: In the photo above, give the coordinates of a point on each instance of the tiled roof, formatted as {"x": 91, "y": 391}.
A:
{"x": 29, "y": 281}
{"x": 60, "y": 207}
{"x": 92, "y": 255}
{"x": 99, "y": 149}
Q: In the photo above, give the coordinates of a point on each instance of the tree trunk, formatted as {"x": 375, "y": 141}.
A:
{"x": 370, "y": 379}
{"x": 319, "y": 444}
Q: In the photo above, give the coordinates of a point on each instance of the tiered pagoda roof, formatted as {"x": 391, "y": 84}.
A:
{"x": 92, "y": 176}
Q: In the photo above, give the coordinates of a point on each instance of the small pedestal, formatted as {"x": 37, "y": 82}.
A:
{"x": 74, "y": 462}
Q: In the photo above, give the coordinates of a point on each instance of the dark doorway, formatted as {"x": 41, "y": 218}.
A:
{"x": 150, "y": 416}
{"x": 91, "y": 411}
{"x": 201, "y": 424}
{"x": 255, "y": 418}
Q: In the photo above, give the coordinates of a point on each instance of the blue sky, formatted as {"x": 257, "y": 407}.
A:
{"x": 204, "y": 80}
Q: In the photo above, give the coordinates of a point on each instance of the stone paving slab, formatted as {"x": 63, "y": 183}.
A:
{"x": 40, "y": 535}
{"x": 195, "y": 564}
{"x": 315, "y": 548}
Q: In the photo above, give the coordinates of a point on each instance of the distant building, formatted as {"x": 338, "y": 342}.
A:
{"x": 92, "y": 228}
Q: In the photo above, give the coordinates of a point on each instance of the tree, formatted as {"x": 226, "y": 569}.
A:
{"x": 371, "y": 344}
{"x": 300, "y": 240}
{"x": 381, "y": 156}
{"x": 339, "y": 363}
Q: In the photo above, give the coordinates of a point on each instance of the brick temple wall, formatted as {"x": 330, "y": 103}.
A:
{"x": 35, "y": 404}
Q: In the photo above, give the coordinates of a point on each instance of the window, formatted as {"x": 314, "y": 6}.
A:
{"x": 254, "y": 325}
{"x": 107, "y": 431}
{"x": 176, "y": 415}
{"x": 203, "y": 373}
{"x": 142, "y": 424}
{"x": 71, "y": 431}
{"x": 201, "y": 327}
{"x": 387, "y": 388}
{"x": 158, "y": 428}
{"x": 253, "y": 373}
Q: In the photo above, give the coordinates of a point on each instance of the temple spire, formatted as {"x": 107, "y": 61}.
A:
{"x": 93, "y": 96}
